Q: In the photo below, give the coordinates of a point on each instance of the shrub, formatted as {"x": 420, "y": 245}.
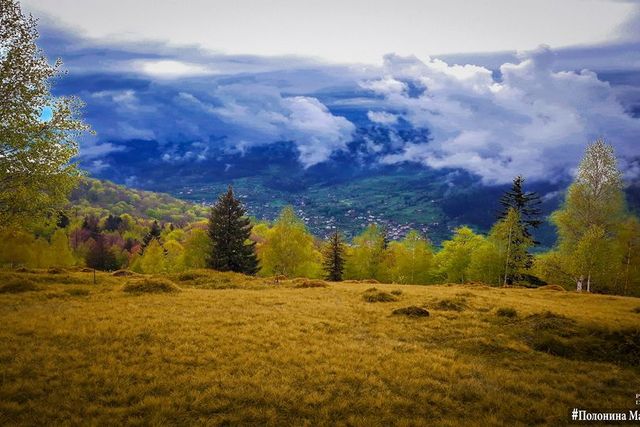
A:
{"x": 411, "y": 311}
{"x": 374, "y": 295}
{"x": 151, "y": 285}
{"x": 18, "y": 285}
{"x": 458, "y": 304}
{"x": 506, "y": 312}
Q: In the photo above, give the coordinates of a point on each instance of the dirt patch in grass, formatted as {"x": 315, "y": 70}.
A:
{"x": 376, "y": 295}
{"x": 312, "y": 284}
{"x": 18, "y": 285}
{"x": 411, "y": 311}
{"x": 506, "y": 312}
{"x": 123, "y": 273}
{"x": 151, "y": 285}
{"x": 551, "y": 288}
{"x": 451, "y": 304}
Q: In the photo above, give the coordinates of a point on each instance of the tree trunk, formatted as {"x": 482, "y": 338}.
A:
{"x": 589, "y": 282}
{"x": 506, "y": 263}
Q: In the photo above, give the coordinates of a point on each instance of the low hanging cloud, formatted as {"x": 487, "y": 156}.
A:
{"x": 529, "y": 119}
{"x": 258, "y": 115}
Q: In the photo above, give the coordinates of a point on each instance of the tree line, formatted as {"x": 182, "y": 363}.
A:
{"x": 597, "y": 247}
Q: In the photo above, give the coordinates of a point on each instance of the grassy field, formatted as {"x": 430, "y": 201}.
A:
{"x": 216, "y": 348}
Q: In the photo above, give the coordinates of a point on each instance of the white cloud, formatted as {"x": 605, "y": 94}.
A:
{"x": 261, "y": 115}
{"x": 382, "y": 117}
{"x": 533, "y": 121}
{"x": 171, "y": 69}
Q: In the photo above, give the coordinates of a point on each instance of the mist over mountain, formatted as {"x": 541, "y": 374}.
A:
{"x": 415, "y": 142}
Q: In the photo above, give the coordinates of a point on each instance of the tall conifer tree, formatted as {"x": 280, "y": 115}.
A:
{"x": 526, "y": 204}
{"x": 229, "y": 231}
{"x": 333, "y": 258}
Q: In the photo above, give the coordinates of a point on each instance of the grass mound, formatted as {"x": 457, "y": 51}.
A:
{"x": 192, "y": 275}
{"x": 396, "y": 292}
{"x": 375, "y": 295}
{"x": 451, "y": 304}
{"x": 123, "y": 273}
{"x": 551, "y": 288}
{"x": 506, "y": 312}
{"x": 18, "y": 285}
{"x": 411, "y": 311}
{"x": 151, "y": 285}
{"x": 78, "y": 292}
{"x": 56, "y": 270}
{"x": 86, "y": 270}
{"x": 22, "y": 270}
{"x": 312, "y": 284}
{"x": 636, "y": 310}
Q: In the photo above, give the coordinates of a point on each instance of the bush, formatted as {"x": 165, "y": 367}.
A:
{"x": 506, "y": 312}
{"x": 18, "y": 285}
{"x": 458, "y": 304}
{"x": 411, "y": 311}
{"x": 374, "y": 295}
{"x": 151, "y": 285}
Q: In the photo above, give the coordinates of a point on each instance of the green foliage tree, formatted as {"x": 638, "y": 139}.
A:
{"x": 289, "y": 248}
{"x": 333, "y": 257}
{"x": 510, "y": 236}
{"x": 366, "y": 257}
{"x": 590, "y": 219}
{"x": 410, "y": 260}
{"x": 455, "y": 257}
{"x": 229, "y": 231}
{"x": 153, "y": 260}
{"x": 196, "y": 249}
{"x": 174, "y": 252}
{"x": 61, "y": 254}
{"x": 36, "y": 169}
{"x": 487, "y": 264}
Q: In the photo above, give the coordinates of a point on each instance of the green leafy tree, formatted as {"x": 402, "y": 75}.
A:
{"x": 510, "y": 236}
{"x": 487, "y": 264}
{"x": 410, "y": 260}
{"x": 229, "y": 232}
{"x": 153, "y": 260}
{"x": 366, "y": 257}
{"x": 196, "y": 248}
{"x": 36, "y": 168}
{"x": 61, "y": 253}
{"x": 594, "y": 206}
{"x": 455, "y": 257}
{"x": 289, "y": 248}
{"x": 629, "y": 247}
{"x": 333, "y": 258}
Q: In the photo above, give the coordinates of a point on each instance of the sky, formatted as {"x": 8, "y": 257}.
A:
{"x": 352, "y": 31}
{"x": 495, "y": 88}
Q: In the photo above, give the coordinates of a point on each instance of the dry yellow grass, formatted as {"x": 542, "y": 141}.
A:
{"x": 229, "y": 349}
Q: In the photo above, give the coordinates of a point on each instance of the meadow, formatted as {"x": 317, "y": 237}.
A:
{"x": 203, "y": 347}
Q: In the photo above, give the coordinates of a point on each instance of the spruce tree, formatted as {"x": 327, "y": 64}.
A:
{"x": 333, "y": 258}
{"x": 229, "y": 231}
{"x": 153, "y": 234}
{"x": 526, "y": 205}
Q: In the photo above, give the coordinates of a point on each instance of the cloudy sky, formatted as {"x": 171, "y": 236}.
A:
{"x": 495, "y": 88}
